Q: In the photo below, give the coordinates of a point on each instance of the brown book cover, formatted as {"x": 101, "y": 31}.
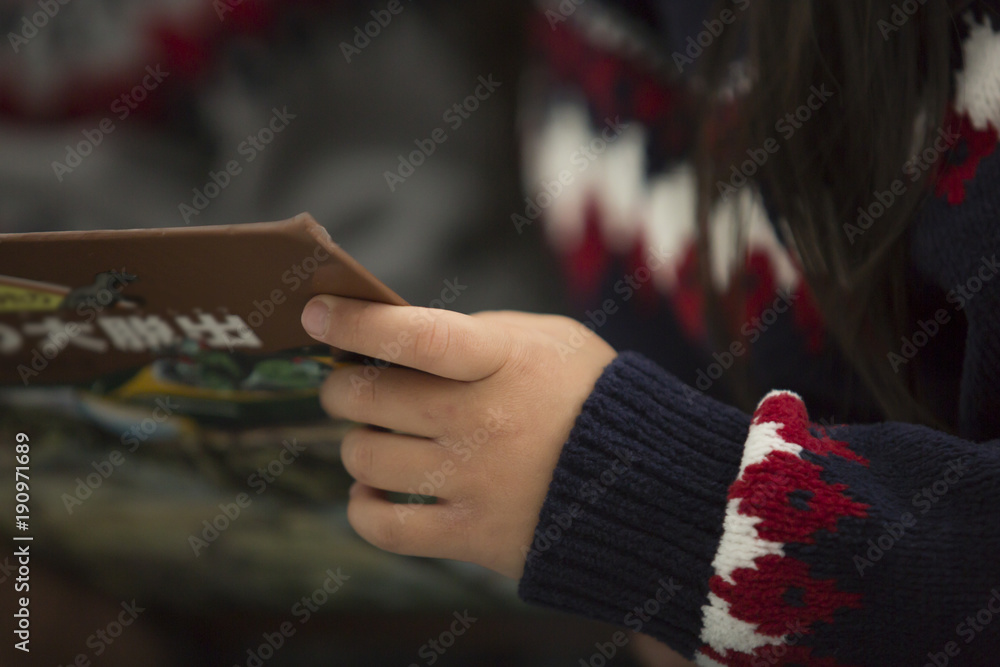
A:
{"x": 207, "y": 316}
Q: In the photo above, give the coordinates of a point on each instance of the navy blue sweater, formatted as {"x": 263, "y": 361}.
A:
{"x": 769, "y": 538}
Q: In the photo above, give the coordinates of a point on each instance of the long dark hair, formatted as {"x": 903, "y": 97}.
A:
{"x": 891, "y": 84}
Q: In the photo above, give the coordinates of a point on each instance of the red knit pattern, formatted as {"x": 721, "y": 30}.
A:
{"x": 587, "y": 263}
{"x": 637, "y": 264}
{"x": 688, "y": 299}
{"x": 808, "y": 318}
{"x": 790, "y": 411}
{"x": 976, "y": 145}
{"x": 764, "y": 488}
{"x": 614, "y": 85}
{"x": 780, "y": 592}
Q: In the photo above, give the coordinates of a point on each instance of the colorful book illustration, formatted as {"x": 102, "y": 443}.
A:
{"x": 207, "y": 317}
{"x": 160, "y": 373}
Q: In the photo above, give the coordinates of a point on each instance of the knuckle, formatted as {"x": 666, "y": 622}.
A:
{"x": 434, "y": 340}
{"x": 520, "y": 359}
{"x": 457, "y": 516}
{"x": 359, "y": 398}
{"x": 460, "y": 522}
{"x": 358, "y": 324}
{"x": 440, "y": 412}
{"x": 561, "y": 320}
{"x": 360, "y": 460}
{"x": 386, "y": 535}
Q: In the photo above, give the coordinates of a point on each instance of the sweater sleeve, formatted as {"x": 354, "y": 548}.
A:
{"x": 768, "y": 540}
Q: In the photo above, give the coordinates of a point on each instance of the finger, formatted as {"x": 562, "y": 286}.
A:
{"x": 412, "y": 529}
{"x": 400, "y": 463}
{"x": 399, "y": 399}
{"x": 553, "y": 333}
{"x": 440, "y": 342}
{"x": 553, "y": 325}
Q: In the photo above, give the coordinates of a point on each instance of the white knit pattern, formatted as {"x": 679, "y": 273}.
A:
{"x": 659, "y": 210}
{"x": 739, "y": 547}
{"x": 978, "y": 84}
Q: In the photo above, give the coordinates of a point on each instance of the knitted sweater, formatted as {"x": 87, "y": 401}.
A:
{"x": 761, "y": 539}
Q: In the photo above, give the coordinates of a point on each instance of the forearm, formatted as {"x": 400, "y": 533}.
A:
{"x": 777, "y": 542}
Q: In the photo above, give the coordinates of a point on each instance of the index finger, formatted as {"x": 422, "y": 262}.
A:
{"x": 441, "y": 342}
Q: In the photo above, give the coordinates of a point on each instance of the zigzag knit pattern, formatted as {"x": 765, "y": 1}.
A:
{"x": 788, "y": 543}
{"x": 778, "y": 498}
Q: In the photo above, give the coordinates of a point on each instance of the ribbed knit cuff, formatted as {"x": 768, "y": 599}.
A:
{"x": 633, "y": 516}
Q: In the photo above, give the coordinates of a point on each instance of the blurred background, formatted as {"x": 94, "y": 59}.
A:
{"x": 167, "y": 92}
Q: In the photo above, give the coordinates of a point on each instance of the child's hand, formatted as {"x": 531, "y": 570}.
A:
{"x": 486, "y": 409}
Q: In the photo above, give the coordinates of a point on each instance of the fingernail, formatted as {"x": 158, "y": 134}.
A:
{"x": 316, "y": 318}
